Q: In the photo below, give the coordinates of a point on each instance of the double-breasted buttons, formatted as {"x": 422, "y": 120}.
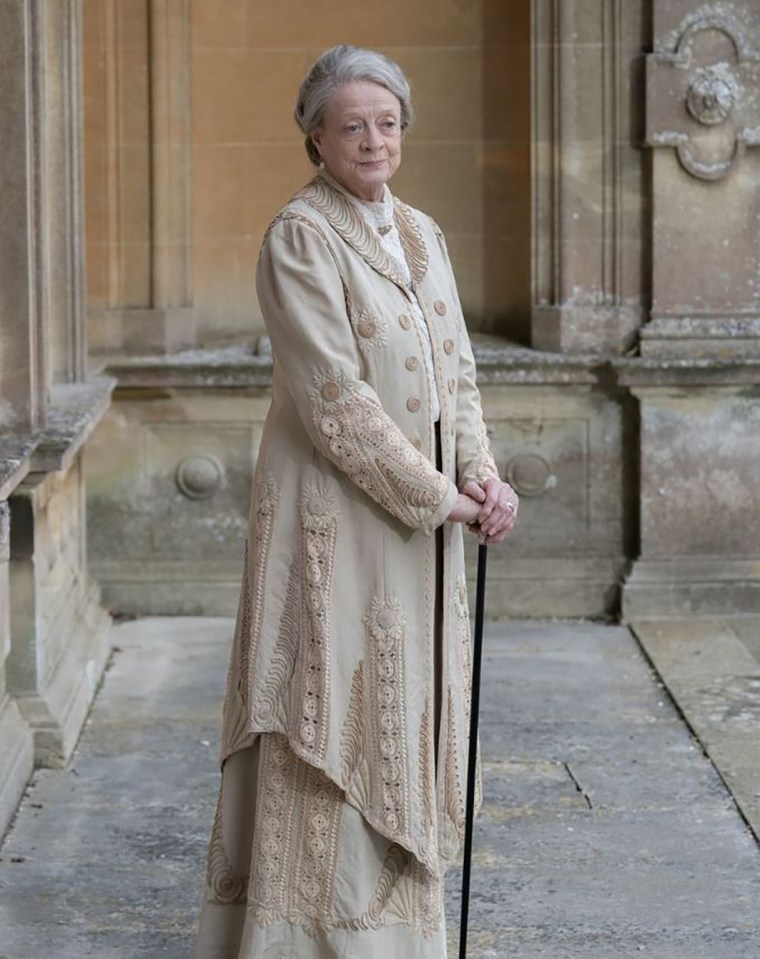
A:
{"x": 412, "y": 363}
{"x": 366, "y": 328}
{"x": 404, "y": 322}
{"x": 452, "y": 385}
{"x": 448, "y": 345}
{"x": 330, "y": 391}
{"x": 440, "y": 307}
{"x": 412, "y": 404}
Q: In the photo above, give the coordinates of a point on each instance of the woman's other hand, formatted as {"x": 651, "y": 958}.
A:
{"x": 467, "y": 507}
{"x": 498, "y": 509}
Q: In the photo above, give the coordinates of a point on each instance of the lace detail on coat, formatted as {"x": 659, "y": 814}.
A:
{"x": 412, "y": 242}
{"x": 296, "y": 850}
{"x": 296, "y": 845}
{"x": 346, "y": 220}
{"x": 452, "y": 826}
{"x": 385, "y": 623}
{"x": 363, "y": 440}
{"x": 319, "y": 530}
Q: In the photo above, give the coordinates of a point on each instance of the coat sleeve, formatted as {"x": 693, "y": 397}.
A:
{"x": 303, "y": 303}
{"x": 474, "y": 458}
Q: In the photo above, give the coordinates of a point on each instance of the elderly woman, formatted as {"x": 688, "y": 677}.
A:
{"x": 346, "y": 714}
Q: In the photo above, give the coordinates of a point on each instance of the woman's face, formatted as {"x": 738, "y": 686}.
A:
{"x": 360, "y": 137}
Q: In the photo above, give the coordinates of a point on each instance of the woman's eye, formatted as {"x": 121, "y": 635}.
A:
{"x": 352, "y": 128}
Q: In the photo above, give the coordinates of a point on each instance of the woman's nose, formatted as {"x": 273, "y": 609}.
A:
{"x": 372, "y": 140}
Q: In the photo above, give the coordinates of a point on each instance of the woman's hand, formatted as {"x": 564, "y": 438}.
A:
{"x": 467, "y": 508}
{"x": 498, "y": 509}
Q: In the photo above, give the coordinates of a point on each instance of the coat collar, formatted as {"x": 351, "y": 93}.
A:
{"x": 329, "y": 198}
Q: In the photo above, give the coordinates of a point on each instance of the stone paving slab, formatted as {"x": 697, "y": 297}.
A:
{"x": 712, "y": 669}
{"x": 606, "y": 833}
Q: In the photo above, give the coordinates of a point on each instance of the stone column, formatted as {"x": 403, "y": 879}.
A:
{"x": 697, "y": 384}
{"x": 587, "y": 176}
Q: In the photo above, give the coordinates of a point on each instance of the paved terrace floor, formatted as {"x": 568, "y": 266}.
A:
{"x": 606, "y": 833}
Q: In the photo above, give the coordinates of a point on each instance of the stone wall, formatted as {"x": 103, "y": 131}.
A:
{"x": 191, "y": 149}
{"x": 594, "y": 165}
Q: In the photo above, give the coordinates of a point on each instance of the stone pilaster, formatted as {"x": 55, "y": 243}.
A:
{"x": 703, "y": 121}
{"x": 696, "y": 386}
{"x": 150, "y": 306}
{"x": 587, "y": 176}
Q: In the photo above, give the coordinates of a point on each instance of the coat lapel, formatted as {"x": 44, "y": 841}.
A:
{"x": 340, "y": 213}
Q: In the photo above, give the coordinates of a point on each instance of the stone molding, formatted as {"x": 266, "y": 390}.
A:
{"x": 75, "y": 411}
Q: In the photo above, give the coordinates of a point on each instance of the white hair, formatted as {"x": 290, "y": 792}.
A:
{"x": 346, "y": 64}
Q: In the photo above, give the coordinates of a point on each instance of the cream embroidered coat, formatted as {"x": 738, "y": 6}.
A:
{"x": 334, "y": 641}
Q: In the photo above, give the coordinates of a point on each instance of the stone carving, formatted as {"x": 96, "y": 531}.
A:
{"x": 530, "y": 474}
{"x": 702, "y": 93}
{"x": 199, "y": 476}
{"x": 710, "y": 98}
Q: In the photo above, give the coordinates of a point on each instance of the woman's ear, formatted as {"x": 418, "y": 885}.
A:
{"x": 316, "y": 139}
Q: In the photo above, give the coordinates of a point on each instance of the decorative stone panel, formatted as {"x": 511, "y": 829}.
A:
{"x": 561, "y": 446}
{"x": 703, "y": 121}
{"x": 703, "y": 92}
{"x": 170, "y": 474}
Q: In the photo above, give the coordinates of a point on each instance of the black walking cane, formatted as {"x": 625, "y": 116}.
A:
{"x": 477, "y": 656}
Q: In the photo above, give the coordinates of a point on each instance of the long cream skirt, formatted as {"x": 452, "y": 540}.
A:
{"x": 296, "y": 873}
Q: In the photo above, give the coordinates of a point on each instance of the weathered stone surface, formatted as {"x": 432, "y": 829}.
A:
{"x": 605, "y": 831}
{"x": 557, "y": 425}
{"x": 16, "y": 752}
{"x": 74, "y": 412}
{"x": 703, "y": 119}
{"x": 712, "y": 667}
{"x": 699, "y": 502}
{"x": 59, "y": 631}
{"x": 587, "y": 198}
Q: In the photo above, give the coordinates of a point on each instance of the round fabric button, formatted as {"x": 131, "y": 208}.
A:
{"x": 440, "y": 307}
{"x": 412, "y": 404}
{"x": 366, "y": 328}
{"x": 452, "y": 385}
{"x": 404, "y": 322}
{"x": 412, "y": 363}
{"x": 386, "y": 618}
{"x": 448, "y": 345}
{"x": 330, "y": 391}
{"x": 416, "y": 442}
